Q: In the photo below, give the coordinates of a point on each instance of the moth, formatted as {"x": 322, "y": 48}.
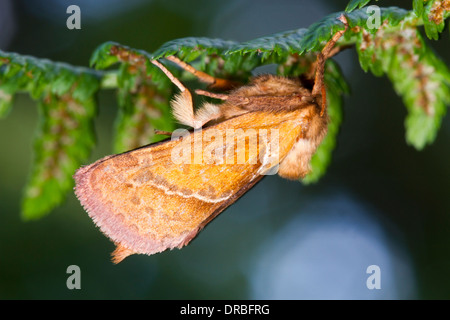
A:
{"x": 146, "y": 200}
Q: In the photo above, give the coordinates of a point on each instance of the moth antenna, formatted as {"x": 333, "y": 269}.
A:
{"x": 327, "y": 52}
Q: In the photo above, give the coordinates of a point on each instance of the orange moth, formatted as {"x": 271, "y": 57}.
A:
{"x": 160, "y": 196}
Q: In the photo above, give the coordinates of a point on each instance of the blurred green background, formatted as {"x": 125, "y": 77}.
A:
{"x": 381, "y": 202}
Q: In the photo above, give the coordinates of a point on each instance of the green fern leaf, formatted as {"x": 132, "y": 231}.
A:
{"x": 190, "y": 48}
{"x": 353, "y": 4}
{"x": 63, "y": 142}
{"x": 418, "y": 76}
{"x": 281, "y": 44}
{"x": 65, "y": 135}
{"x": 434, "y": 13}
{"x": 143, "y": 96}
{"x": 418, "y": 7}
{"x": 5, "y": 103}
{"x": 143, "y": 107}
{"x": 102, "y": 57}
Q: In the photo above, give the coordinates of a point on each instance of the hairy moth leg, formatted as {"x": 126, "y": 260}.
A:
{"x": 327, "y": 52}
{"x": 219, "y": 96}
{"x": 183, "y": 107}
{"x": 212, "y": 82}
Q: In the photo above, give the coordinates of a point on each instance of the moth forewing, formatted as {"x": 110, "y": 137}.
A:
{"x": 147, "y": 203}
{"x": 269, "y": 153}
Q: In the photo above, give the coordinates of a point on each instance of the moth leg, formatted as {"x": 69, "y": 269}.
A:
{"x": 209, "y": 111}
{"x": 327, "y": 52}
{"x": 162, "y": 132}
{"x": 183, "y": 107}
{"x": 219, "y": 96}
{"x": 212, "y": 82}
